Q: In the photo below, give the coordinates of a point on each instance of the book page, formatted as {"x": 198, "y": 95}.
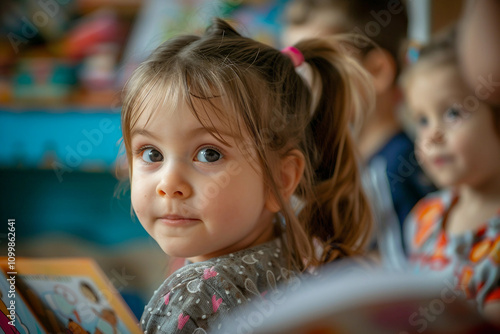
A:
{"x": 15, "y": 316}
{"x": 72, "y": 295}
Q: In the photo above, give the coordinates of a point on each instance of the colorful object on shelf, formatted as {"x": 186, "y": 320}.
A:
{"x": 99, "y": 27}
{"x": 413, "y": 52}
{"x": 98, "y": 69}
{"x": 43, "y": 80}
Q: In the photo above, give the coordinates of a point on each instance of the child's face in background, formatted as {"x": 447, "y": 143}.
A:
{"x": 456, "y": 140}
{"x": 197, "y": 197}
{"x": 319, "y": 24}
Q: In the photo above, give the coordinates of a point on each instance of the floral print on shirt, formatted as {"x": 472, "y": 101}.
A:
{"x": 472, "y": 259}
{"x": 200, "y": 296}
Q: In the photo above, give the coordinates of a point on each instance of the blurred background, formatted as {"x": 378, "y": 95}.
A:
{"x": 62, "y": 65}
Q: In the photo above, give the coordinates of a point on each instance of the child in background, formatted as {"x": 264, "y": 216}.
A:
{"x": 397, "y": 180}
{"x": 456, "y": 231}
{"x": 218, "y": 132}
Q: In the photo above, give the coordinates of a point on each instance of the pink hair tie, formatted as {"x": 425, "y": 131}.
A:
{"x": 294, "y": 54}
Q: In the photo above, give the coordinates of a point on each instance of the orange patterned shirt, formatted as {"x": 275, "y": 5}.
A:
{"x": 472, "y": 259}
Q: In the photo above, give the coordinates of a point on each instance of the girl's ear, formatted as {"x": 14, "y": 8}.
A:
{"x": 291, "y": 172}
{"x": 382, "y": 67}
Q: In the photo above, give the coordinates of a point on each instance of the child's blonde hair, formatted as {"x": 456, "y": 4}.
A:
{"x": 441, "y": 52}
{"x": 263, "y": 95}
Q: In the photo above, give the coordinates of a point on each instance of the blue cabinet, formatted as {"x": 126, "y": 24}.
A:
{"x": 57, "y": 175}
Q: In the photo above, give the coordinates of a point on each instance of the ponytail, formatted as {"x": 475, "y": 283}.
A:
{"x": 338, "y": 215}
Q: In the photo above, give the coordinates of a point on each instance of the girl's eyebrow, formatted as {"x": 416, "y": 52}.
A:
{"x": 143, "y": 132}
{"x": 195, "y": 131}
{"x": 211, "y": 130}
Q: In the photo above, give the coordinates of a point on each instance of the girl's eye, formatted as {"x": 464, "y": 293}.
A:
{"x": 151, "y": 155}
{"x": 208, "y": 155}
{"x": 422, "y": 121}
{"x": 452, "y": 114}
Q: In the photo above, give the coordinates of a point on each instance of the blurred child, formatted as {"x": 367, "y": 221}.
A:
{"x": 218, "y": 132}
{"x": 456, "y": 231}
{"x": 395, "y": 180}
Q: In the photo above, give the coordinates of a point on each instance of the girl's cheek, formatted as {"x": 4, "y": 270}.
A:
{"x": 137, "y": 196}
{"x": 420, "y": 153}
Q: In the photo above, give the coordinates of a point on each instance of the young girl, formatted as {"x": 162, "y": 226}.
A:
{"x": 220, "y": 132}
{"x": 456, "y": 231}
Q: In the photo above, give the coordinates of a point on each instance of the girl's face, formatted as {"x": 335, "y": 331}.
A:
{"x": 456, "y": 140}
{"x": 197, "y": 197}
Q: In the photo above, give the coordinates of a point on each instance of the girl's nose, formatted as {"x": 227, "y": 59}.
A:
{"x": 173, "y": 183}
{"x": 436, "y": 135}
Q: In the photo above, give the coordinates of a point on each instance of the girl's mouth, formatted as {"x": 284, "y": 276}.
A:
{"x": 177, "y": 220}
{"x": 442, "y": 160}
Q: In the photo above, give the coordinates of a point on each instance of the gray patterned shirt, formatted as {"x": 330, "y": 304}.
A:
{"x": 200, "y": 296}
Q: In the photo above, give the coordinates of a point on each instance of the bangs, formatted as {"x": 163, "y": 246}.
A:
{"x": 213, "y": 98}
{"x": 148, "y": 94}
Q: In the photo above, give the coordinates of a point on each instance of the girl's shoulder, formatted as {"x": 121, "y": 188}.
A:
{"x": 423, "y": 224}
{"x": 237, "y": 266}
{"x": 433, "y": 206}
{"x": 247, "y": 271}
{"x": 201, "y": 291}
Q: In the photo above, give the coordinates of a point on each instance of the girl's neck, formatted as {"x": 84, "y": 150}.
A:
{"x": 485, "y": 193}
{"x": 254, "y": 239}
{"x": 475, "y": 206}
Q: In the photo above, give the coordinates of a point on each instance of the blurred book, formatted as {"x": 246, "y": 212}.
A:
{"x": 67, "y": 295}
{"x": 352, "y": 299}
{"x": 15, "y": 315}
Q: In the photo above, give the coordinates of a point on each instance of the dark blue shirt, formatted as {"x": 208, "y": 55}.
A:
{"x": 408, "y": 183}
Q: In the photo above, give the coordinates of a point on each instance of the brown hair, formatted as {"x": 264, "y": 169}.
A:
{"x": 262, "y": 94}
{"x": 358, "y": 16}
